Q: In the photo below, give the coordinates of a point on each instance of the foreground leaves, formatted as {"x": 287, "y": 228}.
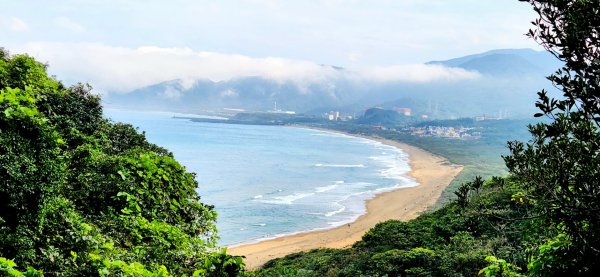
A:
{"x": 83, "y": 196}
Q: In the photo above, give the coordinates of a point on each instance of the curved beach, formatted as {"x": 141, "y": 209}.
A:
{"x": 433, "y": 173}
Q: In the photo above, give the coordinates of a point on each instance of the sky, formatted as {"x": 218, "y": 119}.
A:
{"x": 123, "y": 45}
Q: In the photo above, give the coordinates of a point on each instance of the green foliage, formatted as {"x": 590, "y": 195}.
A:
{"x": 82, "y": 196}
{"x": 552, "y": 258}
{"x": 464, "y": 191}
{"x": 134, "y": 269}
{"x": 499, "y": 268}
{"x": 560, "y": 166}
{"x": 414, "y": 262}
{"x": 452, "y": 241}
{"x": 19, "y": 71}
{"x": 220, "y": 264}
{"x": 7, "y": 268}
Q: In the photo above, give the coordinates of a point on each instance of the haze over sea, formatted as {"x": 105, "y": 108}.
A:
{"x": 268, "y": 181}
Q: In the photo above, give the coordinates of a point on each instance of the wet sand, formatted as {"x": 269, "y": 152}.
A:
{"x": 433, "y": 173}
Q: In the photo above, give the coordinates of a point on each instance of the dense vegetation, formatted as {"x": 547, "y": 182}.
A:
{"x": 452, "y": 241}
{"x": 83, "y": 196}
{"x": 541, "y": 220}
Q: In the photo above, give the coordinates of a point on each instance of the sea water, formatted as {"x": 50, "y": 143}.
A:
{"x": 269, "y": 181}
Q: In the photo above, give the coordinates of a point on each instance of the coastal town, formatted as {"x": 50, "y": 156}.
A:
{"x": 460, "y": 132}
{"x": 445, "y": 132}
{"x": 449, "y": 132}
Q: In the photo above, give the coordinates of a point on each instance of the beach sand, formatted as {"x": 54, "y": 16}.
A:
{"x": 433, "y": 173}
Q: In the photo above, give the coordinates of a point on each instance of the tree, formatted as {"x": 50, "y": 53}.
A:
{"x": 560, "y": 166}
{"x": 83, "y": 196}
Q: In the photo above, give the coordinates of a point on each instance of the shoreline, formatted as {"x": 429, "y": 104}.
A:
{"x": 432, "y": 173}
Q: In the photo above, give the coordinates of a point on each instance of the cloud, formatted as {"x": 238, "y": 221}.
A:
{"x": 354, "y": 57}
{"x": 171, "y": 93}
{"x": 417, "y": 73}
{"x": 229, "y": 93}
{"x": 68, "y": 24}
{"x": 122, "y": 69}
{"x": 16, "y": 24}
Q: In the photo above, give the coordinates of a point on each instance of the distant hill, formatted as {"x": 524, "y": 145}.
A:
{"x": 506, "y": 62}
{"x": 507, "y": 85}
{"x": 250, "y": 93}
{"x": 379, "y": 116}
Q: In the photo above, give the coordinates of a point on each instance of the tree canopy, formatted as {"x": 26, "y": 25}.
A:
{"x": 84, "y": 196}
{"x": 560, "y": 166}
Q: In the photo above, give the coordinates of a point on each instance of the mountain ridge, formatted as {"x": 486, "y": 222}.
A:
{"x": 508, "y": 77}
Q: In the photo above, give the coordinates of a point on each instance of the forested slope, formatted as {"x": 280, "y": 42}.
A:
{"x": 83, "y": 196}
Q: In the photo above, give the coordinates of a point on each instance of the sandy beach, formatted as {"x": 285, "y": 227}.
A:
{"x": 433, "y": 173}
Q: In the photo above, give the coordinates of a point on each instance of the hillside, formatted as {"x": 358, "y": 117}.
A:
{"x": 506, "y": 62}
{"x": 84, "y": 196}
{"x": 507, "y": 80}
{"x": 378, "y": 116}
{"x": 458, "y": 240}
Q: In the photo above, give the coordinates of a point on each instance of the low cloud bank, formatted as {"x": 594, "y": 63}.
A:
{"x": 122, "y": 69}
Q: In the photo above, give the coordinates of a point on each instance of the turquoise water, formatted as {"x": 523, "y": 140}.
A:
{"x": 268, "y": 181}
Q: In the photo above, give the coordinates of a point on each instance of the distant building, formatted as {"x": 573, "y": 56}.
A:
{"x": 475, "y": 135}
{"x": 333, "y": 115}
{"x": 404, "y": 111}
{"x": 444, "y": 132}
{"x": 280, "y": 111}
{"x": 424, "y": 116}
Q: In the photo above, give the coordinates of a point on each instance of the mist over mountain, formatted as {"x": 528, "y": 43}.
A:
{"x": 247, "y": 93}
{"x": 506, "y": 62}
{"x": 506, "y": 83}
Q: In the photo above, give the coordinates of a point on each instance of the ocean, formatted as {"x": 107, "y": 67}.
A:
{"x": 270, "y": 181}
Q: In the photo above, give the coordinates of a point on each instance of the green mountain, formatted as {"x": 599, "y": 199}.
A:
{"x": 379, "y": 116}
